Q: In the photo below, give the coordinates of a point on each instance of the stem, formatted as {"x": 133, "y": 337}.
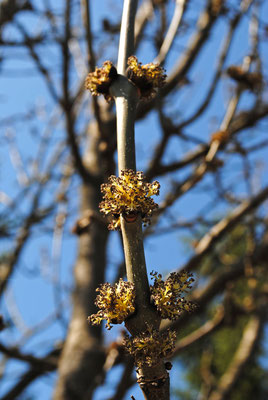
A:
{"x": 154, "y": 381}
{"x": 126, "y": 98}
{"x": 126, "y": 43}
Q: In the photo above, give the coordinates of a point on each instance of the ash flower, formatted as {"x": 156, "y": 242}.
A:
{"x": 150, "y": 346}
{"x": 99, "y": 81}
{"x": 116, "y": 303}
{"x": 128, "y": 195}
{"x": 167, "y": 295}
{"x": 146, "y": 77}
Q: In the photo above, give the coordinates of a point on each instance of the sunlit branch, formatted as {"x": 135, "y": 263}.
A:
{"x": 241, "y": 358}
{"x": 186, "y": 60}
{"x": 172, "y": 30}
{"x": 204, "y": 330}
{"x": 233, "y": 25}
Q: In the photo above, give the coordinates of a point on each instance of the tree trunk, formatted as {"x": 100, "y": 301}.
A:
{"x": 83, "y": 356}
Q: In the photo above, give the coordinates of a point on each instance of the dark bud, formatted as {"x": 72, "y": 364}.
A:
{"x": 130, "y": 217}
{"x": 168, "y": 365}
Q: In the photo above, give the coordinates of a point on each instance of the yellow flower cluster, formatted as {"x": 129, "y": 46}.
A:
{"x": 128, "y": 195}
{"x": 167, "y": 295}
{"x": 150, "y": 346}
{"x": 146, "y": 77}
{"x": 116, "y": 303}
{"x": 99, "y": 81}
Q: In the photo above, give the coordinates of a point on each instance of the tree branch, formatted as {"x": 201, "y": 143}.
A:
{"x": 126, "y": 99}
{"x": 241, "y": 358}
{"x": 225, "y": 225}
{"x": 38, "y": 368}
{"x": 200, "y": 333}
{"x": 172, "y": 30}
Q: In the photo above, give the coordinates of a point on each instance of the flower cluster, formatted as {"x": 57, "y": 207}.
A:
{"x": 167, "y": 295}
{"x": 116, "y": 303}
{"x": 146, "y": 77}
{"x": 150, "y": 346}
{"x": 129, "y": 195}
{"x": 99, "y": 81}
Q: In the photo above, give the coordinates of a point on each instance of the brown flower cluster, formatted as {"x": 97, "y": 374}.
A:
{"x": 99, "y": 81}
{"x": 150, "y": 346}
{"x": 167, "y": 295}
{"x": 146, "y": 77}
{"x": 116, "y": 303}
{"x": 129, "y": 195}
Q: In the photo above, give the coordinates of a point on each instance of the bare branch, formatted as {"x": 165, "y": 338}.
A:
{"x": 200, "y": 333}
{"x": 224, "y": 226}
{"x": 172, "y": 30}
{"x": 198, "y": 39}
{"x": 126, "y": 44}
{"x": 241, "y": 358}
{"x": 144, "y": 14}
{"x": 8, "y": 267}
{"x": 49, "y": 364}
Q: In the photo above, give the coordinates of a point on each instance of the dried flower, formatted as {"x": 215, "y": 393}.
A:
{"x": 99, "y": 81}
{"x": 116, "y": 303}
{"x": 150, "y": 346}
{"x": 129, "y": 195}
{"x": 146, "y": 77}
{"x": 167, "y": 295}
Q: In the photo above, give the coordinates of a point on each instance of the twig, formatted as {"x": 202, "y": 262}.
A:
{"x": 225, "y": 225}
{"x": 33, "y": 373}
{"x": 241, "y": 358}
{"x": 23, "y": 235}
{"x": 46, "y": 362}
{"x": 172, "y": 30}
{"x": 198, "y": 334}
{"x": 198, "y": 39}
{"x": 216, "y": 79}
{"x": 144, "y": 14}
{"x": 125, "y": 382}
{"x": 126, "y": 43}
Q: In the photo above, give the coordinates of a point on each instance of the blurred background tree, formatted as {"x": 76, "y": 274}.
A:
{"x": 203, "y": 136}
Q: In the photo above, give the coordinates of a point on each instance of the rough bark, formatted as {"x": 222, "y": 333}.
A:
{"x": 83, "y": 356}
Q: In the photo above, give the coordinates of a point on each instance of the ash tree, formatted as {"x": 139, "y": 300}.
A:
{"x": 133, "y": 131}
